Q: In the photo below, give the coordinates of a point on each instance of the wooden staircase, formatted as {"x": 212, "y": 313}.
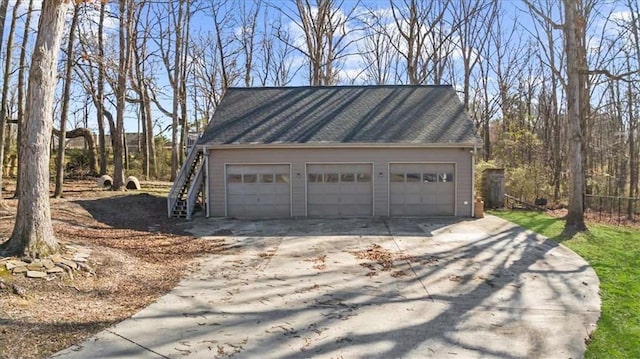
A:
{"x": 181, "y": 201}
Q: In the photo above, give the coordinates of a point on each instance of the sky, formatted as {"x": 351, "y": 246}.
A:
{"x": 514, "y": 10}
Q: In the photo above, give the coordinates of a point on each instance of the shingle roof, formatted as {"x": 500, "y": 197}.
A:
{"x": 341, "y": 114}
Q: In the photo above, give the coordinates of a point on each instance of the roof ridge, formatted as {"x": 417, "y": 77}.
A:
{"x": 335, "y": 87}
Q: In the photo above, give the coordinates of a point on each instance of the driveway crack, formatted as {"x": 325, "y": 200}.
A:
{"x": 407, "y": 261}
{"x": 140, "y": 345}
{"x": 265, "y": 264}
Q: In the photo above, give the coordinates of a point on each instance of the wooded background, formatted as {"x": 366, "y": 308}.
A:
{"x": 161, "y": 67}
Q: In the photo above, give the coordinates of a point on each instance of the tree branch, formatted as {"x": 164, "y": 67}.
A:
{"x": 546, "y": 18}
{"x": 622, "y": 77}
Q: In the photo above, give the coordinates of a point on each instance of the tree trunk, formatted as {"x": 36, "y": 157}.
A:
{"x": 65, "y": 105}
{"x": 633, "y": 155}
{"x": 3, "y": 16}
{"x": 4, "y": 106}
{"x": 151, "y": 149}
{"x": 176, "y": 149}
{"x": 21, "y": 84}
{"x": 634, "y": 171}
{"x": 144, "y": 148}
{"x": 100, "y": 99}
{"x": 125, "y": 50}
{"x": 33, "y": 232}
{"x": 575, "y": 216}
{"x": 186, "y": 27}
{"x": 140, "y": 88}
{"x": 125, "y": 149}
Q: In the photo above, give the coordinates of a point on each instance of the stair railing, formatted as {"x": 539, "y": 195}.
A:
{"x": 183, "y": 176}
{"x": 194, "y": 190}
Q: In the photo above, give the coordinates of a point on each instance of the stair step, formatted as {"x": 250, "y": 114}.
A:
{"x": 180, "y": 208}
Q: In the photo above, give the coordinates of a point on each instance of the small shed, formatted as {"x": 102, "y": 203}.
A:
{"x": 493, "y": 187}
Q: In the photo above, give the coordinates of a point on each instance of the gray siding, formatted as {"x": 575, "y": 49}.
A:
{"x": 380, "y": 157}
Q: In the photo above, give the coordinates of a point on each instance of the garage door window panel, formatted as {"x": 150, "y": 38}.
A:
{"x": 430, "y": 177}
{"x": 445, "y": 177}
{"x": 315, "y": 177}
{"x": 234, "y": 178}
{"x": 282, "y": 178}
{"x": 348, "y": 178}
{"x": 266, "y": 178}
{"x": 249, "y": 178}
{"x": 363, "y": 178}
{"x": 331, "y": 178}
{"x": 397, "y": 177}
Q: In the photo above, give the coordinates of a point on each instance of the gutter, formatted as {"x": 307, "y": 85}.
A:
{"x": 337, "y": 145}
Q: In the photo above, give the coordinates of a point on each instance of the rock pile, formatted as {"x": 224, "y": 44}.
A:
{"x": 74, "y": 258}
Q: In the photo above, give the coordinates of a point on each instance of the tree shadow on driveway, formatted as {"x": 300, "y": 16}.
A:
{"x": 467, "y": 291}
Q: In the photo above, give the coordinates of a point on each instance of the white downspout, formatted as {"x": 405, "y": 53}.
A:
{"x": 207, "y": 181}
{"x": 473, "y": 181}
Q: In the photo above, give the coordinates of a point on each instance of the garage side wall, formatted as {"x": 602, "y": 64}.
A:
{"x": 380, "y": 158}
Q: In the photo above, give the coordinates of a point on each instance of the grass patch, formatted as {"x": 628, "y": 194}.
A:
{"x": 614, "y": 253}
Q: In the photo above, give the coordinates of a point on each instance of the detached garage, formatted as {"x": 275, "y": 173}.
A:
{"x": 348, "y": 151}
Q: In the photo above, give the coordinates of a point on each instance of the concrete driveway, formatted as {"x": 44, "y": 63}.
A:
{"x": 375, "y": 288}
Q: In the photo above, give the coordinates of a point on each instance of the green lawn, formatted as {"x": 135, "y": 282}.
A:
{"x": 614, "y": 253}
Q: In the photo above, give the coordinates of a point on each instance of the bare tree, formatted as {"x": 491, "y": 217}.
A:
{"x": 21, "y": 81}
{"x": 65, "y": 103}
{"x": 573, "y": 30}
{"x": 99, "y": 93}
{"x": 140, "y": 84}
{"x": 379, "y": 59}
{"x": 215, "y": 59}
{"x": 325, "y": 27}
{"x": 172, "y": 19}
{"x": 4, "y": 106}
{"x": 484, "y": 105}
{"x": 206, "y": 75}
{"x": 124, "y": 43}
{"x": 91, "y": 70}
{"x": 185, "y": 66}
{"x": 473, "y": 19}
{"x": 247, "y": 36}
{"x": 423, "y": 38}
{"x": 276, "y": 57}
{"x": 227, "y": 55}
{"x": 576, "y": 64}
{"x": 632, "y": 106}
{"x": 33, "y": 232}
{"x": 93, "y": 85}
{"x": 3, "y": 16}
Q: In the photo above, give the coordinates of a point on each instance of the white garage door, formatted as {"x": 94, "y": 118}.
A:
{"x": 258, "y": 191}
{"x": 422, "y": 189}
{"x": 339, "y": 190}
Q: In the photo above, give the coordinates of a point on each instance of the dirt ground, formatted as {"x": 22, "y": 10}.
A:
{"x": 136, "y": 252}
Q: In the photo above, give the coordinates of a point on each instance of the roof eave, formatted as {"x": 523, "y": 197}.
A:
{"x": 337, "y": 145}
